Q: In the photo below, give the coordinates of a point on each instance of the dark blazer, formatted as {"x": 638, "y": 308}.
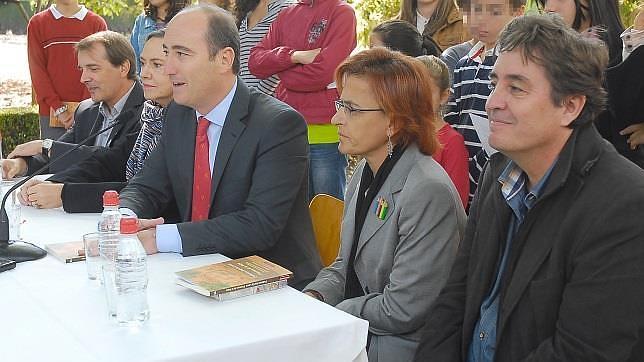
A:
{"x": 259, "y": 182}
{"x": 85, "y": 182}
{"x": 625, "y": 86}
{"x": 87, "y": 119}
{"x": 572, "y": 288}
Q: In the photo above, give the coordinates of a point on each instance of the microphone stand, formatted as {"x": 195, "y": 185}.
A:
{"x": 18, "y": 250}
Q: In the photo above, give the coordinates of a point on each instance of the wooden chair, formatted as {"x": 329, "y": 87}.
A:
{"x": 326, "y": 214}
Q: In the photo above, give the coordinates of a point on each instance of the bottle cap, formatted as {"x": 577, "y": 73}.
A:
{"x": 129, "y": 225}
{"x": 111, "y": 198}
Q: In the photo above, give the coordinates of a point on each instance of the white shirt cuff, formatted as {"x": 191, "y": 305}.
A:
{"x": 168, "y": 239}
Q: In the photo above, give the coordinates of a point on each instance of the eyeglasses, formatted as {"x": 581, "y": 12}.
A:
{"x": 350, "y": 110}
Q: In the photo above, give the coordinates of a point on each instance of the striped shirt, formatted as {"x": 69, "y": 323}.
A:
{"x": 249, "y": 38}
{"x": 470, "y": 91}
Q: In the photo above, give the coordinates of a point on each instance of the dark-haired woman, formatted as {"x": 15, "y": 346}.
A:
{"x": 254, "y": 18}
{"x": 583, "y": 15}
{"x": 156, "y": 14}
{"x": 400, "y": 36}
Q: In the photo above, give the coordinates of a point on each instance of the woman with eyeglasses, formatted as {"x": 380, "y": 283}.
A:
{"x": 403, "y": 218}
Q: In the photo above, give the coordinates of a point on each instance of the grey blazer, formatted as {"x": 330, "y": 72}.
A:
{"x": 259, "y": 202}
{"x": 402, "y": 261}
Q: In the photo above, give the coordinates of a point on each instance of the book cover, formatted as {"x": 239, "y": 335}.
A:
{"x": 235, "y": 278}
{"x": 68, "y": 252}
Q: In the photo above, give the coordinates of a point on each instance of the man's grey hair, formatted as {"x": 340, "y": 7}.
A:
{"x": 574, "y": 64}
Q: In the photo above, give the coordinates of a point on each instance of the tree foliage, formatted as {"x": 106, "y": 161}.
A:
{"x": 628, "y": 11}
{"x": 105, "y": 8}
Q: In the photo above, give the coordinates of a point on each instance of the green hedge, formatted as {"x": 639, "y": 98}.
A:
{"x": 18, "y": 125}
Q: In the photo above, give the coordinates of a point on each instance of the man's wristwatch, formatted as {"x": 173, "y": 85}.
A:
{"x": 62, "y": 109}
{"x": 46, "y": 146}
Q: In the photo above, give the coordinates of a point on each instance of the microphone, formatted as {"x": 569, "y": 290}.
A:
{"x": 18, "y": 250}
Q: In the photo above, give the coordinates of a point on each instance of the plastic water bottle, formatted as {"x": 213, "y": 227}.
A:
{"x": 131, "y": 276}
{"x": 108, "y": 240}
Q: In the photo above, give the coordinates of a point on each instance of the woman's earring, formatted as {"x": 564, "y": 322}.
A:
{"x": 390, "y": 146}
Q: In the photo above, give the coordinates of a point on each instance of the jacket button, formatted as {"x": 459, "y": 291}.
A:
{"x": 482, "y": 335}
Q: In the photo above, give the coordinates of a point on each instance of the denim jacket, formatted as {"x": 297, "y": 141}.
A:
{"x": 143, "y": 26}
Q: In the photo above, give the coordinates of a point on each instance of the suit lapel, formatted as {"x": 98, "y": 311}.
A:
{"x": 392, "y": 185}
{"x": 234, "y": 126}
{"x": 534, "y": 253}
{"x": 135, "y": 99}
{"x": 488, "y": 256}
{"x": 577, "y": 158}
{"x": 184, "y": 128}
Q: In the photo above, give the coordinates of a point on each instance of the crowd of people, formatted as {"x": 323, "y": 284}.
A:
{"x": 494, "y": 215}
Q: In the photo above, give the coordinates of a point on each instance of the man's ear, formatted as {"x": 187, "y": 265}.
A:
{"x": 573, "y": 105}
{"x": 124, "y": 68}
{"x": 227, "y": 57}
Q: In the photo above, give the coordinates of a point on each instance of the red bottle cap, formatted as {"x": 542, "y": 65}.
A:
{"x": 129, "y": 225}
{"x": 111, "y": 198}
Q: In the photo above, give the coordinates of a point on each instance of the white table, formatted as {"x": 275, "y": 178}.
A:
{"x": 50, "y": 311}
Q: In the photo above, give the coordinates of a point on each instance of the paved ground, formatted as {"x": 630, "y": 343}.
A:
{"x": 15, "y": 84}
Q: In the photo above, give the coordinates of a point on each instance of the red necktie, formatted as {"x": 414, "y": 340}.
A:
{"x": 202, "y": 176}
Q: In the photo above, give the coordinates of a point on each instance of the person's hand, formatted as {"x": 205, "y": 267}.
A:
{"x": 148, "y": 234}
{"x": 305, "y": 56}
{"x": 13, "y": 168}
{"x": 67, "y": 118}
{"x": 145, "y": 224}
{"x": 148, "y": 238}
{"x": 30, "y": 148}
{"x": 45, "y": 195}
{"x": 23, "y": 197}
{"x": 636, "y": 132}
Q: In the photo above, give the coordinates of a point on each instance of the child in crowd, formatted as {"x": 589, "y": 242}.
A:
{"x": 397, "y": 35}
{"x": 471, "y": 78}
{"x": 452, "y": 154}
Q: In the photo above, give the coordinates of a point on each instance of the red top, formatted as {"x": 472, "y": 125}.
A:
{"x": 326, "y": 24}
{"x": 454, "y": 159}
{"x": 52, "y": 58}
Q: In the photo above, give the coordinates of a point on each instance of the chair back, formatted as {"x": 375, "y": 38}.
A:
{"x": 326, "y": 214}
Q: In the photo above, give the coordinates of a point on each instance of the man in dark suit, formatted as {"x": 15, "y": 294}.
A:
{"x": 550, "y": 268}
{"x": 232, "y": 160}
{"x": 116, "y": 98}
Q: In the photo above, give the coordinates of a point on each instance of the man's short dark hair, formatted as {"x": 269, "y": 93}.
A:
{"x": 574, "y": 64}
{"x": 117, "y": 47}
{"x": 222, "y": 31}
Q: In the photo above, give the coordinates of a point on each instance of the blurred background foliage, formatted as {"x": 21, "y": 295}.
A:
{"x": 372, "y": 12}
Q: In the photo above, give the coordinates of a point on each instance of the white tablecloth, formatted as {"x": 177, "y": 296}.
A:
{"x": 52, "y": 312}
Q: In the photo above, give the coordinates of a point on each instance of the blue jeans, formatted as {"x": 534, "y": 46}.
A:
{"x": 326, "y": 171}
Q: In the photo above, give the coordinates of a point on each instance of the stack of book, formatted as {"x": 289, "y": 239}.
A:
{"x": 235, "y": 278}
